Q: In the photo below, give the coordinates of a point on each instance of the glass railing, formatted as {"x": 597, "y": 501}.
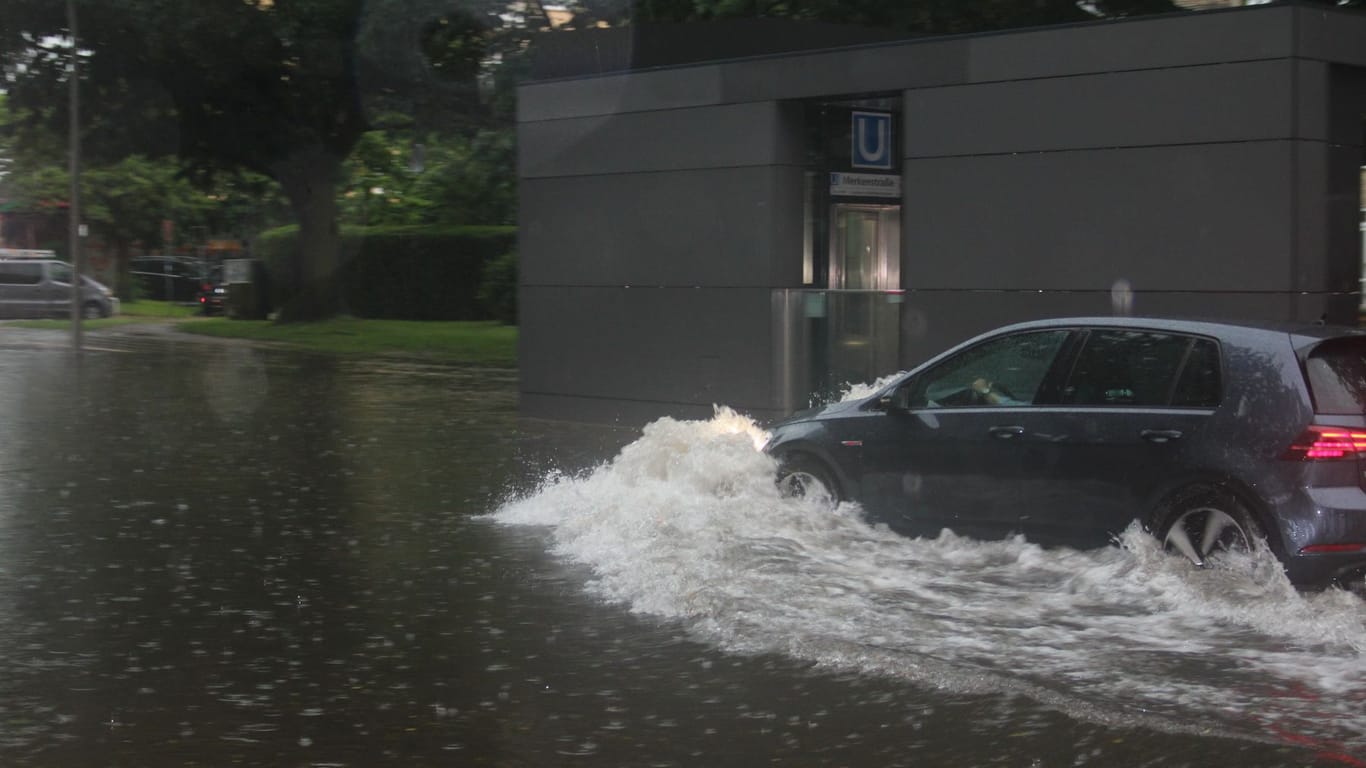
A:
{"x": 827, "y": 340}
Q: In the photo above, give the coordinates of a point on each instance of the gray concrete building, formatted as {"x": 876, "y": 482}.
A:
{"x": 756, "y": 231}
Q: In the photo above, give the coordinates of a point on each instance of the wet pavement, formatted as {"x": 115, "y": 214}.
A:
{"x": 213, "y": 553}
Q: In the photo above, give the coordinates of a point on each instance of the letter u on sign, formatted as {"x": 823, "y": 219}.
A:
{"x": 872, "y": 139}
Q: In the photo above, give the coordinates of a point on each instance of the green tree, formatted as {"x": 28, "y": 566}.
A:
{"x": 125, "y": 203}
{"x": 471, "y": 179}
{"x": 394, "y": 178}
{"x": 267, "y": 86}
{"x": 379, "y": 182}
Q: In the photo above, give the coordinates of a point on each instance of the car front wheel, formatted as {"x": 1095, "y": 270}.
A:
{"x": 1202, "y": 524}
{"x": 803, "y": 477}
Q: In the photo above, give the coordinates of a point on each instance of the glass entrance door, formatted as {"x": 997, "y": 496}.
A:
{"x": 865, "y": 263}
{"x": 866, "y": 248}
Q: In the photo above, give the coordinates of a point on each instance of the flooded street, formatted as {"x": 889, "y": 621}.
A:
{"x": 217, "y": 554}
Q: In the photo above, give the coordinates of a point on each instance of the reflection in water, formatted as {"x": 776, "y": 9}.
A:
{"x": 235, "y": 382}
{"x": 190, "y": 574}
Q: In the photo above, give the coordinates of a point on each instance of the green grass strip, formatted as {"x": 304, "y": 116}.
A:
{"x": 157, "y": 309}
{"x": 129, "y": 312}
{"x": 485, "y": 343}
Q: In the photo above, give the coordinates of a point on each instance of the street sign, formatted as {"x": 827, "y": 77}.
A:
{"x": 865, "y": 185}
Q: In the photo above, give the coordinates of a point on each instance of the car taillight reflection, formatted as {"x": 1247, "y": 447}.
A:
{"x": 1327, "y": 444}
{"x": 1321, "y": 549}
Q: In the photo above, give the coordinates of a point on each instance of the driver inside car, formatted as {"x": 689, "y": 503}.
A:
{"x": 993, "y": 395}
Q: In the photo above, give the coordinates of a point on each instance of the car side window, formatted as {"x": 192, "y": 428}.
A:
{"x": 13, "y": 273}
{"x": 1001, "y": 372}
{"x": 1200, "y": 382}
{"x": 60, "y": 273}
{"x": 1118, "y": 367}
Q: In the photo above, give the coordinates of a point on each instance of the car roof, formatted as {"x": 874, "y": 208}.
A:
{"x": 1207, "y": 327}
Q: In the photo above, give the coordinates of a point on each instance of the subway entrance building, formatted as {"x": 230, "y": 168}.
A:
{"x": 759, "y": 230}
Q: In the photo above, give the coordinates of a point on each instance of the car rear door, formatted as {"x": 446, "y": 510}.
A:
{"x": 1134, "y": 402}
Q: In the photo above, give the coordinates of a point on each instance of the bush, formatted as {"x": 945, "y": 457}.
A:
{"x": 498, "y": 289}
{"x": 400, "y": 273}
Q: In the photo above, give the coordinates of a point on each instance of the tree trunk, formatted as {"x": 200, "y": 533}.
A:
{"x": 313, "y": 289}
{"x": 123, "y": 282}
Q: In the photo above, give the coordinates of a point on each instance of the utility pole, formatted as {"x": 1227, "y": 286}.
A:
{"x": 74, "y": 160}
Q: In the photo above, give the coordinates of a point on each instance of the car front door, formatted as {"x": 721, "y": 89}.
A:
{"x": 57, "y": 290}
{"x": 1132, "y": 402}
{"x": 952, "y": 449}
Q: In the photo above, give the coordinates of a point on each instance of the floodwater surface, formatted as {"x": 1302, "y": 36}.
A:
{"x": 214, "y": 554}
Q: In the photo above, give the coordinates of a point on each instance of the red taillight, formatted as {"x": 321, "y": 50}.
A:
{"x": 1325, "y": 549}
{"x": 1326, "y": 444}
{"x": 203, "y": 299}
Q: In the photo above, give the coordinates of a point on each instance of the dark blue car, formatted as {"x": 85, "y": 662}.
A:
{"x": 1212, "y": 435}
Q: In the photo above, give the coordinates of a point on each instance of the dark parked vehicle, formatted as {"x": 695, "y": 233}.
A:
{"x": 166, "y": 278}
{"x": 1212, "y": 435}
{"x": 213, "y": 292}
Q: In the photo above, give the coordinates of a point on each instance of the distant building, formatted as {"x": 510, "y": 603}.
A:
{"x": 699, "y": 226}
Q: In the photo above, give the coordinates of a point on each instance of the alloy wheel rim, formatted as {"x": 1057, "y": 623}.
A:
{"x": 804, "y": 485}
{"x": 1204, "y": 531}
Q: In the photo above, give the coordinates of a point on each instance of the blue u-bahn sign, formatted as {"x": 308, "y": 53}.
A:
{"x": 872, "y": 140}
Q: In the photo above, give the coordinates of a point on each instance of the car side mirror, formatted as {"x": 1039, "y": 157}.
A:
{"x": 898, "y": 399}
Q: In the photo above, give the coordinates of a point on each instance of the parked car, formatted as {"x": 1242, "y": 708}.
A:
{"x": 1212, "y": 435}
{"x": 42, "y": 288}
{"x": 213, "y": 292}
{"x": 166, "y": 278}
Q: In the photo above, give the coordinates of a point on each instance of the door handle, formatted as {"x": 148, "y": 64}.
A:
{"x": 1005, "y": 433}
{"x": 1160, "y": 435}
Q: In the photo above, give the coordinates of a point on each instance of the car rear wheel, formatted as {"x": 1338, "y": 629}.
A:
{"x": 803, "y": 477}
{"x": 1204, "y": 523}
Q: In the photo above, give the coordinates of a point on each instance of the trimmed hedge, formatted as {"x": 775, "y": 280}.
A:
{"x": 498, "y": 289}
{"x": 401, "y": 273}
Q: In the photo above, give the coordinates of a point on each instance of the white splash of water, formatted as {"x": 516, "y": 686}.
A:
{"x": 858, "y": 391}
{"x": 687, "y": 524}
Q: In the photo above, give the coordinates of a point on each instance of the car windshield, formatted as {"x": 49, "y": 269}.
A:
{"x": 1337, "y": 376}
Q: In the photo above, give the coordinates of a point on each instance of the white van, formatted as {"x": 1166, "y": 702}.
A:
{"x": 42, "y": 288}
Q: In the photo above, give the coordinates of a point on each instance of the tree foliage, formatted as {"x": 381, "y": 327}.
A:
{"x": 286, "y": 89}
{"x": 401, "y": 178}
{"x": 266, "y": 86}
